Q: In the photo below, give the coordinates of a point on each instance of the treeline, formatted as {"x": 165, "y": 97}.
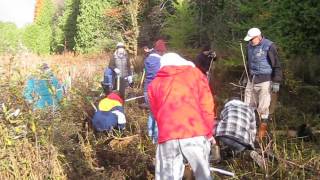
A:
{"x": 79, "y": 25}
{"x": 292, "y": 24}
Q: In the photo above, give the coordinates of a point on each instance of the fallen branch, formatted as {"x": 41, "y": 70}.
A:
{"x": 233, "y": 84}
{"x": 126, "y": 138}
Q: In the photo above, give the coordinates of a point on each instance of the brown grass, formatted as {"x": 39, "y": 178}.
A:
{"x": 62, "y": 145}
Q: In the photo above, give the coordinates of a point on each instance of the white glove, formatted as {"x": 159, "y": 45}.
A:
{"x": 121, "y": 117}
{"x": 117, "y": 71}
{"x": 130, "y": 79}
{"x": 275, "y": 87}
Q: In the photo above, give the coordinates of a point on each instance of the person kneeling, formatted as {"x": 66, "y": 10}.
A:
{"x": 110, "y": 114}
{"x": 237, "y": 129}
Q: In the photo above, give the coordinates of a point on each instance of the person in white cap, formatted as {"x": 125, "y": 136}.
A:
{"x": 265, "y": 75}
{"x": 120, "y": 65}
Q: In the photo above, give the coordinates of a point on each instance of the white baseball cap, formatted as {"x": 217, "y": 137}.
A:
{"x": 253, "y": 32}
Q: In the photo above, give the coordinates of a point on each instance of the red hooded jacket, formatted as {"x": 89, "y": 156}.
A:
{"x": 181, "y": 100}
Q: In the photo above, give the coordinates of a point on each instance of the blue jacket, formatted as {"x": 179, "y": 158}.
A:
{"x": 105, "y": 119}
{"x": 152, "y": 66}
{"x": 259, "y": 62}
{"x": 43, "y": 92}
{"x": 108, "y": 77}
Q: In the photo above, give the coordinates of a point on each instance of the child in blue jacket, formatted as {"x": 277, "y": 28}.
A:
{"x": 110, "y": 114}
{"x": 43, "y": 89}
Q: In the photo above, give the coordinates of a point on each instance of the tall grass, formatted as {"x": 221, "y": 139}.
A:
{"x": 62, "y": 144}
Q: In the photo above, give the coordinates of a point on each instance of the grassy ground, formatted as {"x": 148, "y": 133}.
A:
{"x": 62, "y": 145}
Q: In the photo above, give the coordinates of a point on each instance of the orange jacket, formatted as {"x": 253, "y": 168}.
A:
{"x": 181, "y": 102}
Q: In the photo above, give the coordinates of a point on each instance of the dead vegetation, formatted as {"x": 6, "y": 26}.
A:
{"x": 62, "y": 144}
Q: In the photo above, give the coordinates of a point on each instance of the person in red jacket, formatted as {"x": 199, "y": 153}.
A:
{"x": 183, "y": 106}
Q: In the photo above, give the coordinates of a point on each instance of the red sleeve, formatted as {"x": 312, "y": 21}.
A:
{"x": 206, "y": 103}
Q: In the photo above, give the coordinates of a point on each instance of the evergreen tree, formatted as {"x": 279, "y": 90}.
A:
{"x": 38, "y": 36}
{"x": 93, "y": 33}
{"x": 181, "y": 26}
{"x": 65, "y": 30}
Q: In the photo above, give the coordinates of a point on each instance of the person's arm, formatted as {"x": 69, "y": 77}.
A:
{"x": 58, "y": 88}
{"x": 206, "y": 102}
{"x": 275, "y": 64}
{"x": 112, "y": 63}
{"x": 28, "y": 91}
{"x": 130, "y": 70}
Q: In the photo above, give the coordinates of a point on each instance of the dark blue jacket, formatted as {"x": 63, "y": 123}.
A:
{"x": 152, "y": 66}
{"x": 106, "y": 120}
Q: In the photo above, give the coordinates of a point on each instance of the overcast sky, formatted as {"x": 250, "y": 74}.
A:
{"x": 19, "y": 12}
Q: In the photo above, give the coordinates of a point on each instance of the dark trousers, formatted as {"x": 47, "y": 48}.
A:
{"x": 109, "y": 87}
{"x": 233, "y": 144}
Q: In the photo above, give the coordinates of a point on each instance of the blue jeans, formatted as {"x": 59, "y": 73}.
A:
{"x": 152, "y": 124}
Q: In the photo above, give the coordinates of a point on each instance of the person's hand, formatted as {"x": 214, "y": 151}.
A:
{"x": 212, "y": 140}
{"x": 245, "y": 81}
{"x": 275, "y": 87}
{"x": 117, "y": 71}
{"x": 130, "y": 79}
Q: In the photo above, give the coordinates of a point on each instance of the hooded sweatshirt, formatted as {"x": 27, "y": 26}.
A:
{"x": 181, "y": 100}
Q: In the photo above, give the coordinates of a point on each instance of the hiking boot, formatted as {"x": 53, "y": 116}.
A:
{"x": 262, "y": 130}
{"x": 215, "y": 154}
{"x": 257, "y": 159}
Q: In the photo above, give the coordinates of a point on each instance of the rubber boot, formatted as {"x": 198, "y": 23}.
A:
{"x": 262, "y": 130}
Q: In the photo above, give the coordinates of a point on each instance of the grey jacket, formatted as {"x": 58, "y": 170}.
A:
{"x": 121, "y": 61}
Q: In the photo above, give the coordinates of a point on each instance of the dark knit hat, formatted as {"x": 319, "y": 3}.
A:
{"x": 44, "y": 66}
{"x": 206, "y": 48}
{"x": 160, "y": 46}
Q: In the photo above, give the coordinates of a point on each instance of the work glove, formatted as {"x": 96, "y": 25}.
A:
{"x": 275, "y": 87}
{"x": 244, "y": 81}
{"x": 121, "y": 117}
{"x": 117, "y": 71}
{"x": 130, "y": 81}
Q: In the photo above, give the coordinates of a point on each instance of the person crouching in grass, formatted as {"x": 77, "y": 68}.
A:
{"x": 110, "y": 114}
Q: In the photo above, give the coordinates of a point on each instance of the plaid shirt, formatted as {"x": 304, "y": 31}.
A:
{"x": 237, "y": 121}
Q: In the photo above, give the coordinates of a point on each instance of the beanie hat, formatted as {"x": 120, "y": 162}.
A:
{"x": 206, "y": 48}
{"x": 160, "y": 46}
{"x": 120, "y": 45}
{"x": 115, "y": 96}
{"x": 44, "y": 67}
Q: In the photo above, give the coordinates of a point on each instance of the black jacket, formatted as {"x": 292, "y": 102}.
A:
{"x": 203, "y": 62}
